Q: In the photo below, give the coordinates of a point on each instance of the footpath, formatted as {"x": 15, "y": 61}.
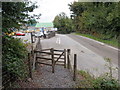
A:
{"x": 44, "y": 78}
{"x": 61, "y": 78}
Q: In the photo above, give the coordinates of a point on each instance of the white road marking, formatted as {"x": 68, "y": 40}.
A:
{"x": 58, "y": 41}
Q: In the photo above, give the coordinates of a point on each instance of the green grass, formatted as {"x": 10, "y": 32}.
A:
{"x": 112, "y": 42}
{"x": 89, "y": 81}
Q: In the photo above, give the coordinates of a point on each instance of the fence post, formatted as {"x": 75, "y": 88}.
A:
{"x": 64, "y": 58}
{"x": 36, "y": 61}
{"x": 75, "y": 67}
{"x": 29, "y": 65}
{"x": 68, "y": 58}
{"x": 54, "y": 33}
{"x": 38, "y": 40}
{"x": 53, "y": 63}
{"x": 32, "y": 44}
{"x": 37, "y": 54}
{"x": 31, "y": 38}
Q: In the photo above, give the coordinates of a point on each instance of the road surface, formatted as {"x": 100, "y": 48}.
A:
{"x": 87, "y": 59}
{"x": 90, "y": 54}
{"x": 97, "y": 47}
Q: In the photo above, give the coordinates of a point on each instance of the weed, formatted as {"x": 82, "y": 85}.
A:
{"x": 103, "y": 82}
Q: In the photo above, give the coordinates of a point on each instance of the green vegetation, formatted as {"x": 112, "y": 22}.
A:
{"x": 99, "y": 19}
{"x": 63, "y": 23}
{"x": 15, "y": 15}
{"x": 14, "y": 52}
{"x": 87, "y": 80}
{"x": 103, "y": 82}
{"x": 14, "y": 56}
{"x": 112, "y": 42}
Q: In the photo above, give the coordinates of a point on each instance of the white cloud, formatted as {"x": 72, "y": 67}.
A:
{"x": 50, "y": 8}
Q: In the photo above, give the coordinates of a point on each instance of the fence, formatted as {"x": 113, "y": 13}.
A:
{"x": 32, "y": 55}
{"x": 69, "y": 66}
{"x": 53, "y": 59}
{"x": 32, "y": 60}
{"x": 35, "y": 57}
{"x": 35, "y": 41}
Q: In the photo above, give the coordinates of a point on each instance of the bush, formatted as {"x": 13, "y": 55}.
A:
{"x": 13, "y": 57}
{"x": 106, "y": 83}
{"x": 103, "y": 82}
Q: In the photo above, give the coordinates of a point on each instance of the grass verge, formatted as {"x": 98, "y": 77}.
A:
{"x": 111, "y": 42}
{"x": 85, "y": 80}
{"x": 103, "y": 82}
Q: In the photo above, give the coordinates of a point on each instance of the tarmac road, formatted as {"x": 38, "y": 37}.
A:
{"x": 97, "y": 47}
{"x": 90, "y": 54}
{"x": 87, "y": 59}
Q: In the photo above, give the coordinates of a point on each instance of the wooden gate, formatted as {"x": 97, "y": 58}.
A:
{"x": 54, "y": 57}
{"x": 51, "y": 57}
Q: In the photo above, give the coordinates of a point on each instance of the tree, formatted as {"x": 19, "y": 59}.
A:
{"x": 14, "y": 52}
{"x": 63, "y": 23}
{"x": 15, "y": 14}
{"x": 97, "y": 18}
{"x": 77, "y": 10}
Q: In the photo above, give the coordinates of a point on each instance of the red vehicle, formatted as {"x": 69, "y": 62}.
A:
{"x": 19, "y": 34}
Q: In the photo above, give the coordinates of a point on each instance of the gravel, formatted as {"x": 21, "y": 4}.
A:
{"x": 62, "y": 78}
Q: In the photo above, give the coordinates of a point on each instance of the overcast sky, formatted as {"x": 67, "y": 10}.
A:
{"x": 50, "y": 8}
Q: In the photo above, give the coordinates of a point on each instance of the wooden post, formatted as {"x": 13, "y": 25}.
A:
{"x": 35, "y": 64}
{"x": 38, "y": 40}
{"x": 29, "y": 65}
{"x": 75, "y": 67}
{"x": 35, "y": 60}
{"x": 68, "y": 58}
{"x": 64, "y": 58}
{"x": 31, "y": 38}
{"x": 32, "y": 45}
{"x": 54, "y": 33}
{"x": 53, "y": 62}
